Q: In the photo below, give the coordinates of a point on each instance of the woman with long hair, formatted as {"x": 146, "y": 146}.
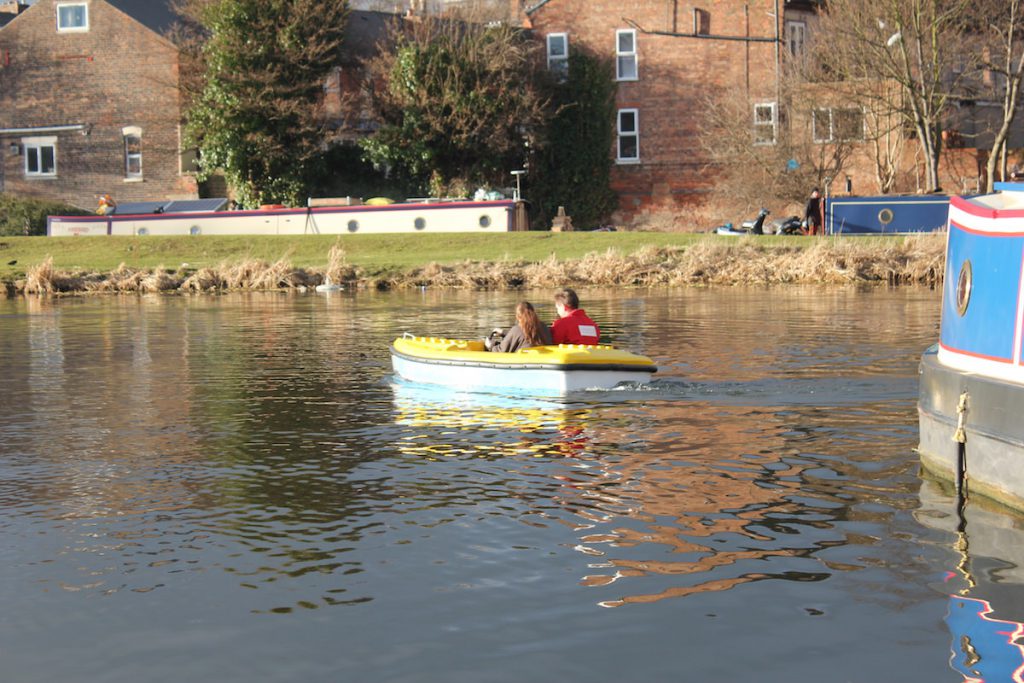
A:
{"x": 528, "y": 331}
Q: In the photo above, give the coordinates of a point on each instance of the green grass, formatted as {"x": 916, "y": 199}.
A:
{"x": 377, "y": 254}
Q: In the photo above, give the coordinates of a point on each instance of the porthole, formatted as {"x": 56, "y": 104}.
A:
{"x": 195, "y": 230}
{"x": 420, "y": 223}
{"x": 885, "y": 216}
{"x": 353, "y": 226}
{"x": 485, "y": 221}
{"x": 142, "y": 231}
{"x": 964, "y": 284}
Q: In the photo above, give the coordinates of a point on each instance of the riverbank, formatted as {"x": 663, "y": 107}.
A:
{"x": 507, "y": 261}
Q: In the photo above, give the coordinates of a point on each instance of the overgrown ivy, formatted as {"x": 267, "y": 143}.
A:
{"x": 573, "y": 167}
{"x": 24, "y": 216}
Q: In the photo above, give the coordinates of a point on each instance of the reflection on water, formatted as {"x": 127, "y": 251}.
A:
{"x": 986, "y": 602}
{"x": 239, "y": 485}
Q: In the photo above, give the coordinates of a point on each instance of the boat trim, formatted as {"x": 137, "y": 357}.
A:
{"x": 595, "y": 367}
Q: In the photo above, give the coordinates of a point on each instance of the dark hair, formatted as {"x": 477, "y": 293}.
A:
{"x": 568, "y": 298}
{"x": 527, "y": 318}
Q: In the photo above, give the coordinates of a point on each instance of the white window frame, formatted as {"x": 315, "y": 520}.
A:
{"x": 621, "y": 134}
{"x": 127, "y": 132}
{"x": 796, "y": 38}
{"x": 831, "y": 111}
{"x": 626, "y": 56}
{"x": 701, "y": 22}
{"x": 34, "y": 147}
{"x": 73, "y": 29}
{"x": 760, "y": 123}
{"x": 558, "y": 64}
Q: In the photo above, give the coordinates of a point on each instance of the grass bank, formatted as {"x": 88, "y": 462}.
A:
{"x": 499, "y": 261}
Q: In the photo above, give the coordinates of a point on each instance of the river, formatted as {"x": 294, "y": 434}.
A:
{"x": 236, "y": 488}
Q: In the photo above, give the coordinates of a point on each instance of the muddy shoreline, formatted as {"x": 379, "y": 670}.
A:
{"x": 914, "y": 261}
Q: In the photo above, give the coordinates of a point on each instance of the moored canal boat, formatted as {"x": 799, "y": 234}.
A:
{"x": 503, "y": 215}
{"x": 972, "y": 380}
{"x": 466, "y": 364}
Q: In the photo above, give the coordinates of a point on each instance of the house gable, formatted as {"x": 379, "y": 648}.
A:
{"x": 86, "y": 88}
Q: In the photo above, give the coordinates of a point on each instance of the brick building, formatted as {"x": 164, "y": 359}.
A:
{"x": 89, "y": 102}
{"x": 670, "y": 55}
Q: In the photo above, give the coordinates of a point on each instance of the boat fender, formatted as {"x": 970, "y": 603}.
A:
{"x": 960, "y": 437}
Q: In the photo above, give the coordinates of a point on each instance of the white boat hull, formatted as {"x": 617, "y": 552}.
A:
{"x": 547, "y": 380}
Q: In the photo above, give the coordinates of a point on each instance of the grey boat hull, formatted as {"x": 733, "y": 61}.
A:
{"x": 993, "y": 443}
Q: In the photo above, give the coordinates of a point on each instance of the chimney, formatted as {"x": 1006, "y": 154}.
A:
{"x": 12, "y": 7}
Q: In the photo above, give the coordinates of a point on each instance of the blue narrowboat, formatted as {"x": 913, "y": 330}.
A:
{"x": 972, "y": 381}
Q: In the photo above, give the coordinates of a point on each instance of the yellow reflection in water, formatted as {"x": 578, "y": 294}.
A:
{"x": 450, "y": 423}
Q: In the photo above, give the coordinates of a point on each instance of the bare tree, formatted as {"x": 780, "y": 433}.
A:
{"x": 915, "y": 44}
{"x": 760, "y": 158}
{"x": 1003, "y": 58}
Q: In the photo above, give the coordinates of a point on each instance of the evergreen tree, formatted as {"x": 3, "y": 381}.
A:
{"x": 457, "y": 102}
{"x": 256, "y": 115}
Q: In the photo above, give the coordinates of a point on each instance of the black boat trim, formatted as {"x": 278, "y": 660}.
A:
{"x": 603, "y": 367}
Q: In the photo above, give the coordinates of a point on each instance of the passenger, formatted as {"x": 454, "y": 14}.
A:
{"x": 573, "y": 325}
{"x": 528, "y": 331}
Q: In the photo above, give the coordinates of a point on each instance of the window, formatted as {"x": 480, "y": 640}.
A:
{"x": 40, "y": 157}
{"x": 558, "y": 54}
{"x": 132, "y": 152}
{"x": 796, "y": 37}
{"x": 73, "y": 17}
{"x": 764, "y": 124}
{"x": 838, "y": 125}
{"x": 625, "y": 55}
{"x": 701, "y": 22}
{"x": 628, "y": 136}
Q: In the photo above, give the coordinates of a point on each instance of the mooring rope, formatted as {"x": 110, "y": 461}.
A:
{"x": 960, "y": 437}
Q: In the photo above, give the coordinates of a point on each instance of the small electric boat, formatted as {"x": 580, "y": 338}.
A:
{"x": 467, "y": 364}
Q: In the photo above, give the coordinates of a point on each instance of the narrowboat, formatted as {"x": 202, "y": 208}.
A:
{"x": 466, "y": 364}
{"x": 208, "y": 217}
{"x": 972, "y": 380}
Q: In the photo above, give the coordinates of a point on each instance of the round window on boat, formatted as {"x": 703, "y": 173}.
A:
{"x": 485, "y": 221}
{"x": 420, "y": 223}
{"x": 964, "y": 283}
{"x": 142, "y": 231}
{"x": 353, "y": 226}
{"x": 194, "y": 230}
{"x": 885, "y": 216}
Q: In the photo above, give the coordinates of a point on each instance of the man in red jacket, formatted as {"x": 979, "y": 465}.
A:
{"x": 573, "y": 326}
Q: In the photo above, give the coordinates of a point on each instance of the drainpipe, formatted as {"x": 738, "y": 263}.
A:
{"x": 778, "y": 62}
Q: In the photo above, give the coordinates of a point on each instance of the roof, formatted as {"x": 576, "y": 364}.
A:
{"x": 364, "y": 30}
{"x": 154, "y": 14}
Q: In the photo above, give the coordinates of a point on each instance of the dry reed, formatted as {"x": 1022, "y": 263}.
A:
{"x": 918, "y": 259}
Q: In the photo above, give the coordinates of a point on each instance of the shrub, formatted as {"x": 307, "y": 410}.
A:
{"x": 26, "y": 216}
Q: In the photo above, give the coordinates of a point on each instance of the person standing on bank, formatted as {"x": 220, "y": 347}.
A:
{"x": 573, "y": 325}
{"x": 812, "y": 215}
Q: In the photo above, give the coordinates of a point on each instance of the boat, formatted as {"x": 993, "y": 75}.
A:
{"x": 972, "y": 381}
{"x": 466, "y": 364}
{"x": 196, "y": 218}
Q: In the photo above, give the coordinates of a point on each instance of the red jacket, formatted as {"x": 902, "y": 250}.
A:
{"x": 575, "y": 328}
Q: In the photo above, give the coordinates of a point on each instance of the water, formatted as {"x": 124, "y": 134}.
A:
{"x": 235, "y": 488}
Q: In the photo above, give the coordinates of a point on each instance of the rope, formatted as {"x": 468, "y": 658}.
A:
{"x": 960, "y": 435}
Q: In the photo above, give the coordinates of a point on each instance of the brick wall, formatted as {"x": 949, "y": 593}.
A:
{"x": 677, "y": 72}
{"x": 117, "y": 74}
